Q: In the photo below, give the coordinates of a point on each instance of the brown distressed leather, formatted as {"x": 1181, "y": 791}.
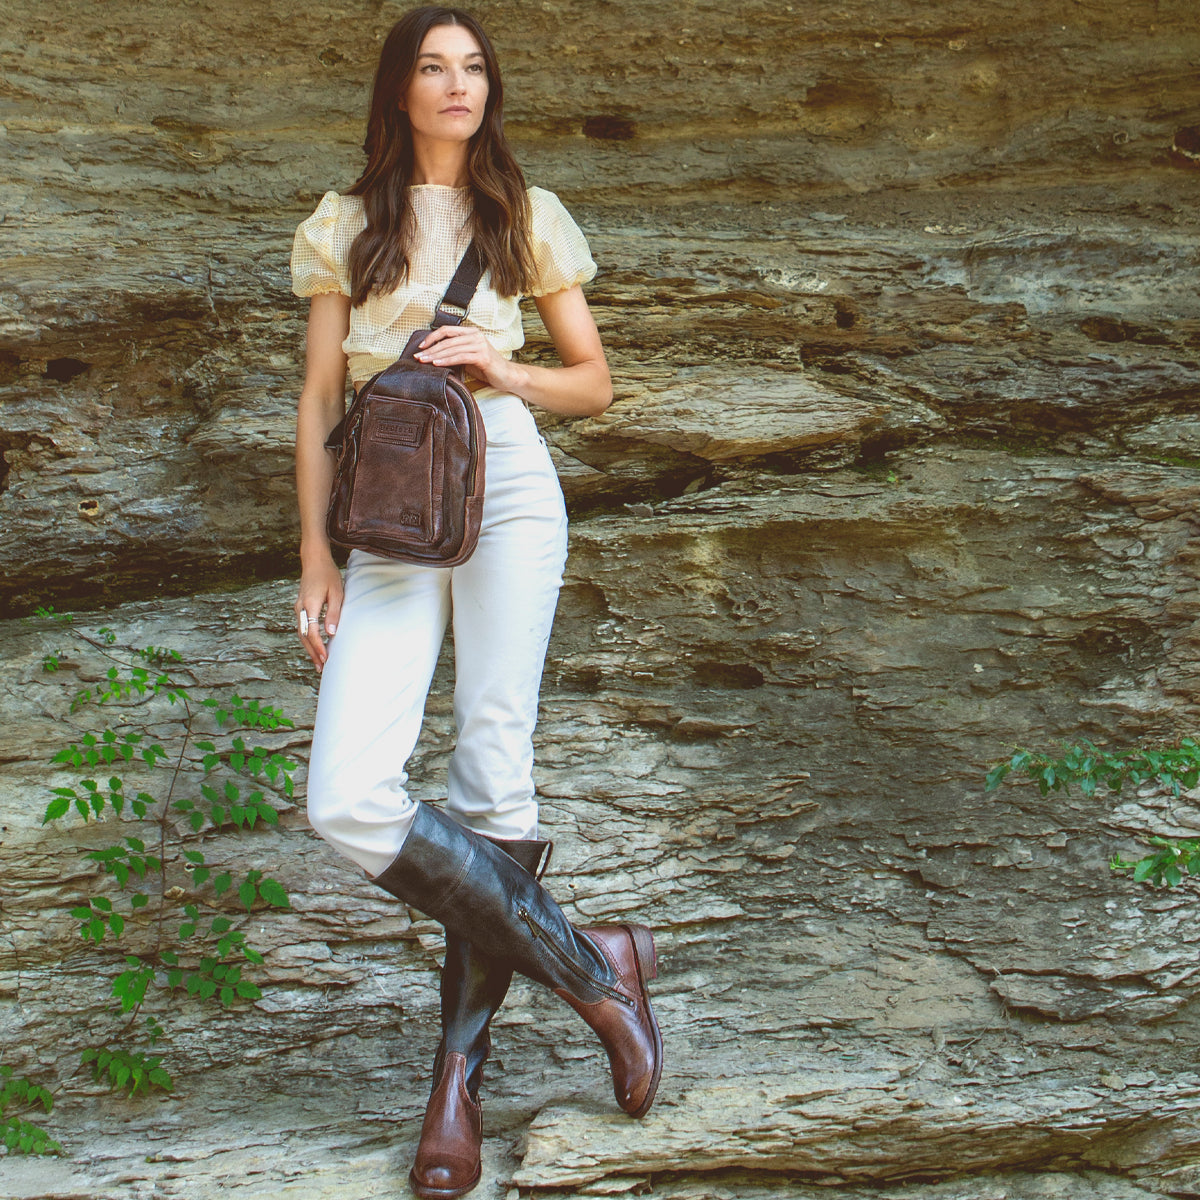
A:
{"x": 628, "y": 1031}
{"x": 448, "y": 1157}
{"x": 410, "y": 469}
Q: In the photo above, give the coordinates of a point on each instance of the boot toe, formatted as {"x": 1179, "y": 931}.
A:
{"x": 447, "y": 1163}
{"x": 628, "y": 1030}
{"x": 444, "y": 1180}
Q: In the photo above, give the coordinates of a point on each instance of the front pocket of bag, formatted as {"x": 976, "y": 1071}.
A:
{"x": 398, "y": 490}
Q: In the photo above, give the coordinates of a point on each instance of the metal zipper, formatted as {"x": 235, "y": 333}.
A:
{"x": 540, "y": 934}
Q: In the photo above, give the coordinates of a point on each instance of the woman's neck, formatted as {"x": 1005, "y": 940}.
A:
{"x": 443, "y": 163}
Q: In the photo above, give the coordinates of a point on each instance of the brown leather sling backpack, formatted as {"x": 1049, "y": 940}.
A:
{"x": 410, "y": 467}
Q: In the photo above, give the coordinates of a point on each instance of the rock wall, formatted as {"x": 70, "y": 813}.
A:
{"x": 903, "y": 469}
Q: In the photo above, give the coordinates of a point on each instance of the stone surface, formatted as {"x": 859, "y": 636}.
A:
{"x": 902, "y": 471}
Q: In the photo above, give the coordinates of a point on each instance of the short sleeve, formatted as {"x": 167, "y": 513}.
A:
{"x": 320, "y": 251}
{"x": 560, "y": 251}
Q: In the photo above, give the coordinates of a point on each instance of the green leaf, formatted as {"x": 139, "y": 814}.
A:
{"x": 221, "y": 924}
{"x": 274, "y": 893}
{"x": 222, "y": 883}
{"x": 995, "y": 777}
{"x": 102, "y": 903}
{"x": 1143, "y": 868}
{"x": 246, "y": 893}
{"x": 193, "y": 856}
{"x": 248, "y": 991}
{"x": 55, "y": 809}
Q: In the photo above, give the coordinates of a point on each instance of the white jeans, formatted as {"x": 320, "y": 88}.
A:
{"x": 382, "y": 658}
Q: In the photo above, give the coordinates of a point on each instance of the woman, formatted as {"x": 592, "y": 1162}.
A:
{"x": 376, "y": 261}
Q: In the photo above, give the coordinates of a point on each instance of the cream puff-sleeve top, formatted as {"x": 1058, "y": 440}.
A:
{"x": 380, "y": 327}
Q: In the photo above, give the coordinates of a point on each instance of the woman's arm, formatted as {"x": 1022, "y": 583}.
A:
{"x": 322, "y": 403}
{"x": 581, "y": 387}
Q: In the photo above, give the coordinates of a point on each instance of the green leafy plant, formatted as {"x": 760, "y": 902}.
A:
{"x": 1173, "y": 767}
{"x": 1166, "y": 866}
{"x": 127, "y": 1072}
{"x": 22, "y": 1136}
{"x": 168, "y": 913}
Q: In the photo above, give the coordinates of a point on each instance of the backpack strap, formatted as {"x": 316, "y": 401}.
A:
{"x": 452, "y": 308}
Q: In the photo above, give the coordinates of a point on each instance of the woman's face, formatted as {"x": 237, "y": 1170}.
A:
{"x": 449, "y": 87}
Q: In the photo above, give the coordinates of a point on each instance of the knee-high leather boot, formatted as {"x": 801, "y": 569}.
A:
{"x": 474, "y": 985}
{"x": 477, "y": 892}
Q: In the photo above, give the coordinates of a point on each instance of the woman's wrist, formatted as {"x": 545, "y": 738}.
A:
{"x": 316, "y": 554}
{"x": 511, "y": 377}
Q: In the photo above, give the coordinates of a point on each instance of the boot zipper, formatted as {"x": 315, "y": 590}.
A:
{"x": 539, "y": 934}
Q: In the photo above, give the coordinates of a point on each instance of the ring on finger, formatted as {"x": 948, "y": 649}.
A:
{"x": 305, "y": 622}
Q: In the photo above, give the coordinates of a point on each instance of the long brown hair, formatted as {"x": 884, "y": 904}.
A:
{"x": 379, "y": 257}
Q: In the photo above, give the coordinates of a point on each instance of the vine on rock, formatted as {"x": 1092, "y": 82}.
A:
{"x": 1175, "y": 767}
{"x": 164, "y": 913}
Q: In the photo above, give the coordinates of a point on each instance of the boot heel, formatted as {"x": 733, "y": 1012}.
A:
{"x": 643, "y": 944}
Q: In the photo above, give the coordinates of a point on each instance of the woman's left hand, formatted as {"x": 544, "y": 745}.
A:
{"x": 465, "y": 346}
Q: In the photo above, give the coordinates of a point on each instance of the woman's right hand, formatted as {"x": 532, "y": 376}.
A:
{"x": 322, "y": 402}
{"x": 320, "y": 588}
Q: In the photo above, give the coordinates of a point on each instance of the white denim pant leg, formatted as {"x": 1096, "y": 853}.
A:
{"x": 371, "y": 704}
{"x": 504, "y": 599}
{"x": 381, "y": 661}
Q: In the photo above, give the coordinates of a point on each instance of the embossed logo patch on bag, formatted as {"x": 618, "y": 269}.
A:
{"x": 401, "y": 433}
